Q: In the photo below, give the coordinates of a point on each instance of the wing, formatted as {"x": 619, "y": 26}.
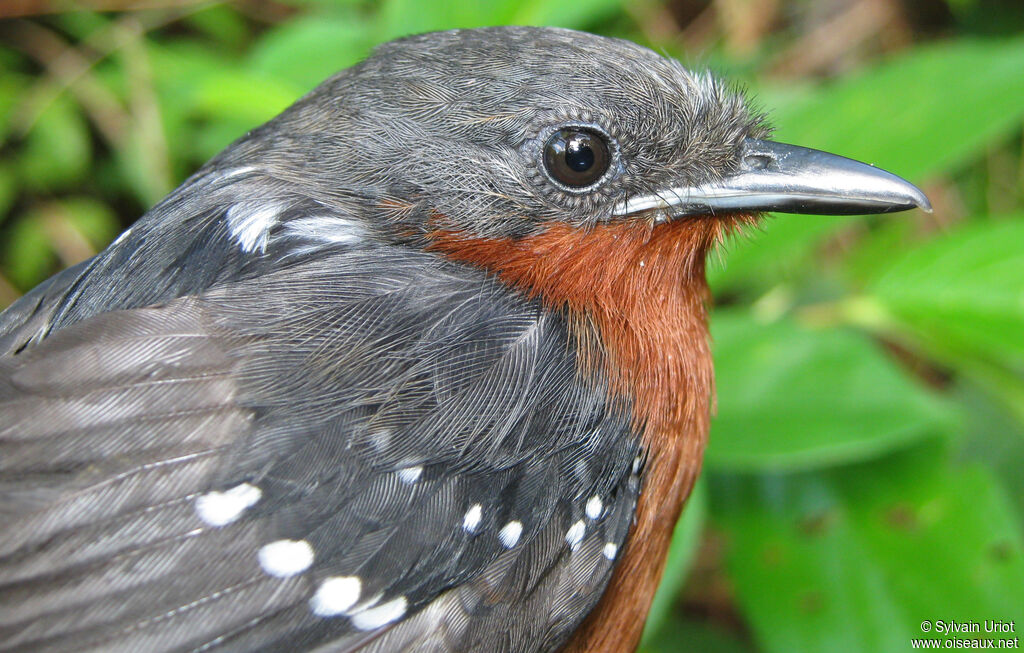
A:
{"x": 230, "y": 222}
{"x": 366, "y": 450}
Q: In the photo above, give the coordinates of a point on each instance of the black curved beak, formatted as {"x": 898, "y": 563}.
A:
{"x": 789, "y": 179}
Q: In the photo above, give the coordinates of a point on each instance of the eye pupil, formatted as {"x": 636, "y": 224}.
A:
{"x": 579, "y": 155}
{"x": 576, "y": 157}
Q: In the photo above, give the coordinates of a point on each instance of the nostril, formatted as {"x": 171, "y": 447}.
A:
{"x": 757, "y": 161}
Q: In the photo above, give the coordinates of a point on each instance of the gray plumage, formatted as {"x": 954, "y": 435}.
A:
{"x": 275, "y": 323}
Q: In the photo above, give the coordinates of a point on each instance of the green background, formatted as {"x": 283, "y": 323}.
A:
{"x": 866, "y": 466}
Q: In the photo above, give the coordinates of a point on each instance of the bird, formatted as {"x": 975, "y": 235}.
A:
{"x": 422, "y": 363}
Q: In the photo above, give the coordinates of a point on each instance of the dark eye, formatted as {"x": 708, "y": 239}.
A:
{"x": 576, "y": 157}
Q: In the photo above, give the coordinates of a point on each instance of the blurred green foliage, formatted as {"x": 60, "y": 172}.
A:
{"x": 866, "y": 469}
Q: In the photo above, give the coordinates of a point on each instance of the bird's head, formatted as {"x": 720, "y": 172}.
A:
{"x": 503, "y": 132}
{"x": 588, "y": 171}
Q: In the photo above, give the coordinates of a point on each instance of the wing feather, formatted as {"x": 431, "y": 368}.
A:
{"x": 386, "y": 427}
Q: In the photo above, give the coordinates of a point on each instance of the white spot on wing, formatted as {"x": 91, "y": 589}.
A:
{"x": 285, "y": 558}
{"x": 380, "y": 615}
{"x": 471, "y": 521}
{"x": 124, "y": 234}
{"x": 335, "y": 595}
{"x": 574, "y": 535}
{"x": 381, "y": 439}
{"x": 222, "y": 508}
{"x": 509, "y": 534}
{"x": 610, "y": 550}
{"x": 235, "y": 172}
{"x": 327, "y": 229}
{"x": 410, "y": 474}
{"x": 250, "y": 224}
{"x": 594, "y": 507}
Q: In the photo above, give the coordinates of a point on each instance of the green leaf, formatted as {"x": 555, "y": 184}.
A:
{"x": 28, "y": 257}
{"x": 993, "y": 438}
{"x": 685, "y": 540}
{"x": 65, "y": 232}
{"x": 402, "y": 17}
{"x": 82, "y": 24}
{"x": 960, "y": 299}
{"x": 283, "y": 53}
{"x": 180, "y": 66}
{"x": 232, "y": 103}
{"x": 793, "y": 397}
{"x": 781, "y": 249}
{"x": 58, "y": 150}
{"x": 906, "y": 115}
{"x": 195, "y": 84}
{"x": 91, "y": 219}
{"x": 8, "y": 188}
{"x": 856, "y": 559}
{"x": 877, "y": 240}
{"x": 693, "y": 637}
{"x": 12, "y": 89}
{"x": 326, "y": 5}
{"x": 221, "y": 24}
{"x": 243, "y": 97}
{"x": 964, "y": 290}
{"x": 573, "y": 15}
{"x": 199, "y": 83}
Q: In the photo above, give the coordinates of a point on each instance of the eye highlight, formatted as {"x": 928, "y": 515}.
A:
{"x": 576, "y": 157}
